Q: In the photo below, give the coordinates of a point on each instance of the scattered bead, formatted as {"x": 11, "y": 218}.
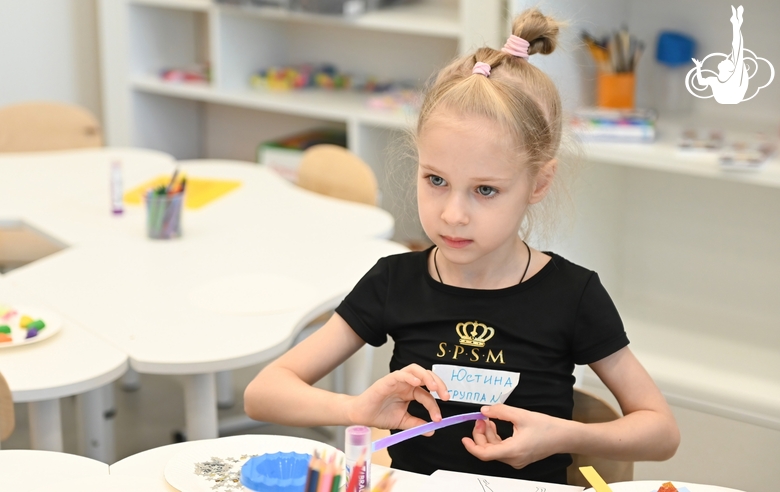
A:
{"x": 31, "y": 332}
{"x": 5, "y": 329}
{"x": 24, "y": 321}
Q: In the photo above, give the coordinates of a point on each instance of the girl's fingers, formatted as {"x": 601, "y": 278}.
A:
{"x": 487, "y": 452}
{"x": 429, "y": 402}
{"x": 403, "y": 377}
{"x": 441, "y": 387}
{"x": 479, "y": 433}
{"x": 427, "y": 377}
{"x": 491, "y": 434}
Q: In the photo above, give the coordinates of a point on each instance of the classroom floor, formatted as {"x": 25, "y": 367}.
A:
{"x": 152, "y": 415}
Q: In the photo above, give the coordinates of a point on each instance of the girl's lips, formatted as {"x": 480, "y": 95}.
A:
{"x": 456, "y": 242}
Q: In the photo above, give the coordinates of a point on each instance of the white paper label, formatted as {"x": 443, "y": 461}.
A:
{"x": 475, "y": 385}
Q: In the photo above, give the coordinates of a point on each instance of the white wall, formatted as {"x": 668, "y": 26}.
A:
{"x": 707, "y": 21}
{"x": 49, "y": 51}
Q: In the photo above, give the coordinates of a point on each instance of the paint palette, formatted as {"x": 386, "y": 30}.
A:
{"x": 21, "y": 325}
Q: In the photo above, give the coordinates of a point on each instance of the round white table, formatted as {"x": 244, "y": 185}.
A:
{"x": 24, "y": 470}
{"x": 251, "y": 269}
{"x": 71, "y": 362}
{"x": 152, "y": 463}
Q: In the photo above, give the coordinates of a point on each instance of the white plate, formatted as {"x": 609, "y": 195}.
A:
{"x": 235, "y": 451}
{"x": 653, "y": 485}
{"x": 53, "y": 324}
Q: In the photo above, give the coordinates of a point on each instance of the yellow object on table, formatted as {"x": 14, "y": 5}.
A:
{"x": 595, "y": 479}
{"x": 200, "y": 191}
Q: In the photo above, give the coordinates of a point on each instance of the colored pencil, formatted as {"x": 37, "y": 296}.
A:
{"x": 354, "y": 476}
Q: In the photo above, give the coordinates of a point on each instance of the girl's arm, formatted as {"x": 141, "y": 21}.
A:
{"x": 283, "y": 393}
{"x": 647, "y": 431}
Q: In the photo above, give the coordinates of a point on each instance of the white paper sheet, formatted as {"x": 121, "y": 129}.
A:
{"x": 466, "y": 482}
{"x": 475, "y": 385}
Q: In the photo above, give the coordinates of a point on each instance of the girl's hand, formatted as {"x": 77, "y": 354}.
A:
{"x": 534, "y": 437}
{"x": 385, "y": 403}
{"x": 697, "y": 62}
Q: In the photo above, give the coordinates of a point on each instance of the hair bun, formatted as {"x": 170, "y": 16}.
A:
{"x": 539, "y": 30}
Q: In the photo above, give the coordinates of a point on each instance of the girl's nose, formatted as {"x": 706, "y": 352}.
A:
{"x": 455, "y": 210}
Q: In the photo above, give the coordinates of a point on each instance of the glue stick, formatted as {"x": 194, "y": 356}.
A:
{"x": 116, "y": 188}
{"x": 356, "y": 443}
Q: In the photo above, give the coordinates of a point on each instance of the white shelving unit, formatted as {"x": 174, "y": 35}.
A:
{"x": 226, "y": 118}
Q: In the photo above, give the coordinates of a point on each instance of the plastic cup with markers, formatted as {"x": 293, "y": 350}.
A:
{"x": 164, "y": 209}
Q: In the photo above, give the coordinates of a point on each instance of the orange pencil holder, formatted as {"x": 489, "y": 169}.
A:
{"x": 615, "y": 90}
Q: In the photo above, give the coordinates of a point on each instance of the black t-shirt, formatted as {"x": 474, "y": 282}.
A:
{"x": 559, "y": 317}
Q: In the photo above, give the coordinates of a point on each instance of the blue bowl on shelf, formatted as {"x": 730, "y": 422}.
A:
{"x": 276, "y": 472}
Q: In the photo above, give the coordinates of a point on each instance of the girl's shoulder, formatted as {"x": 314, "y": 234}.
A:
{"x": 567, "y": 269}
{"x": 411, "y": 261}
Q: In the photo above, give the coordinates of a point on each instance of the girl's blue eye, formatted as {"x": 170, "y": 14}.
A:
{"x": 486, "y": 190}
{"x": 436, "y": 180}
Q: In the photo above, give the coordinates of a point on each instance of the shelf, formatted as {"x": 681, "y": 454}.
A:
{"x": 337, "y": 106}
{"x": 426, "y": 19}
{"x": 717, "y": 375}
{"x": 664, "y": 156}
{"x": 199, "y": 5}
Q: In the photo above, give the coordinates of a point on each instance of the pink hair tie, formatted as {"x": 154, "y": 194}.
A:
{"x": 516, "y": 46}
{"x": 482, "y": 69}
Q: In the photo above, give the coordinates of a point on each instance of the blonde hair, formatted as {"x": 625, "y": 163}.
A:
{"x": 521, "y": 98}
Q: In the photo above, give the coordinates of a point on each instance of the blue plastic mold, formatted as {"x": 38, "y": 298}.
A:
{"x": 276, "y": 472}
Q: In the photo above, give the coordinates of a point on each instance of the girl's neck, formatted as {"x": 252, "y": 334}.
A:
{"x": 499, "y": 269}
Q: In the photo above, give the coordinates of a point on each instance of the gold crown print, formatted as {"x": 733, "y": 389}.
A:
{"x": 474, "y": 334}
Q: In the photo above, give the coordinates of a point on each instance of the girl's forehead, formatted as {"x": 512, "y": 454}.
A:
{"x": 452, "y": 140}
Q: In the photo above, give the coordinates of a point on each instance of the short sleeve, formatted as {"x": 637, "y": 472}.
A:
{"x": 363, "y": 308}
{"x": 598, "y": 330}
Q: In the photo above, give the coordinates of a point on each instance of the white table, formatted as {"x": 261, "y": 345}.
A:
{"x": 71, "y": 362}
{"x": 152, "y": 464}
{"x": 251, "y": 269}
{"x": 23, "y": 470}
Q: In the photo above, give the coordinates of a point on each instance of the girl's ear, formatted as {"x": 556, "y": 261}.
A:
{"x": 543, "y": 181}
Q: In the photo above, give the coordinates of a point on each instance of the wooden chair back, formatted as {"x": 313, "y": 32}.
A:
{"x": 46, "y": 126}
{"x": 589, "y": 408}
{"x": 7, "y": 421}
{"x": 335, "y": 171}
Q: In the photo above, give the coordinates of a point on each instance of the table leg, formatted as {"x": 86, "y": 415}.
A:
{"x": 200, "y": 406}
{"x": 45, "y": 425}
{"x": 96, "y": 437}
{"x": 225, "y": 398}
{"x": 131, "y": 380}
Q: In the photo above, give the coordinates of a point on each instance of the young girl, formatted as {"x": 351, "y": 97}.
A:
{"x": 481, "y": 298}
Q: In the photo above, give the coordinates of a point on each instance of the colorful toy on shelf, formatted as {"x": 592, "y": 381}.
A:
{"x": 197, "y": 74}
{"x": 407, "y": 100}
{"x": 324, "y": 76}
{"x": 300, "y": 77}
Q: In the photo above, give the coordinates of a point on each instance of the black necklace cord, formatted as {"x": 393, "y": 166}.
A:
{"x": 528, "y": 264}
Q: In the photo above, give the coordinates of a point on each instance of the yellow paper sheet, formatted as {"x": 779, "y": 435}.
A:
{"x": 199, "y": 192}
{"x": 593, "y": 477}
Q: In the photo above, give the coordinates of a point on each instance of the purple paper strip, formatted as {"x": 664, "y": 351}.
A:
{"x": 422, "y": 429}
